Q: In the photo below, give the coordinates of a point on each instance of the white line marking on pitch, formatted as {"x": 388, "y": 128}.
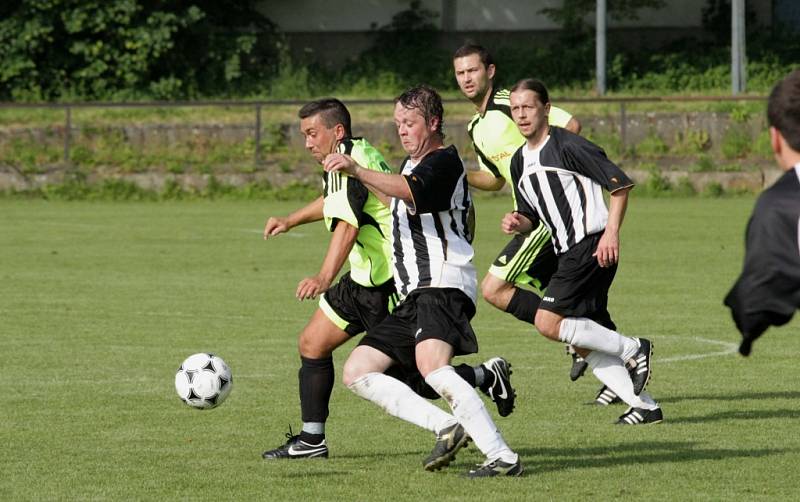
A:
{"x": 730, "y": 348}
{"x": 289, "y": 234}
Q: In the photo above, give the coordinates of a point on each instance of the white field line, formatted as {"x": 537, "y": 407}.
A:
{"x": 261, "y": 232}
{"x": 728, "y": 347}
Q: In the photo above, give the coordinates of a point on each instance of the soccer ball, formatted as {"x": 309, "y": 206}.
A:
{"x": 203, "y": 381}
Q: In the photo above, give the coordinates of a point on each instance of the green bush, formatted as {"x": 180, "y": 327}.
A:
{"x": 684, "y": 187}
{"x": 703, "y": 164}
{"x": 713, "y": 189}
{"x": 651, "y": 146}
{"x": 736, "y": 142}
{"x": 691, "y": 141}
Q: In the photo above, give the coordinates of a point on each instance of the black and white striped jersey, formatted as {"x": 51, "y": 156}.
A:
{"x": 561, "y": 183}
{"x": 431, "y": 237}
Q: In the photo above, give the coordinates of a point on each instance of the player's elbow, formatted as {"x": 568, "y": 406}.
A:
{"x": 574, "y": 126}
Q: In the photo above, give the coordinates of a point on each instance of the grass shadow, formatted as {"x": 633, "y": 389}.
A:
{"x": 738, "y": 415}
{"x": 539, "y": 460}
{"x": 741, "y": 396}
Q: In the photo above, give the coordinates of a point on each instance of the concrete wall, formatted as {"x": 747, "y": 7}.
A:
{"x": 331, "y": 32}
{"x": 669, "y": 127}
{"x": 307, "y": 16}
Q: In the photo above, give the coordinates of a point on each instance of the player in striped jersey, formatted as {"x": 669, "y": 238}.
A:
{"x": 433, "y": 271}
{"x": 526, "y": 259}
{"x": 360, "y": 225}
{"x": 558, "y": 179}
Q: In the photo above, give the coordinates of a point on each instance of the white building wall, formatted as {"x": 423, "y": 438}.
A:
{"x": 472, "y": 15}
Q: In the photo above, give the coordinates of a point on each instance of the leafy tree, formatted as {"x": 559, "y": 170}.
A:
{"x": 408, "y": 47}
{"x": 95, "y": 49}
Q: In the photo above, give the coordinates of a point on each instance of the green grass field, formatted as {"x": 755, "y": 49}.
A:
{"x": 102, "y": 301}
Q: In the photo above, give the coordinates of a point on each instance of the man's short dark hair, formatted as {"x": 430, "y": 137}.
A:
{"x": 531, "y": 84}
{"x": 425, "y": 99}
{"x": 470, "y": 49}
{"x": 332, "y": 112}
{"x": 783, "y": 109}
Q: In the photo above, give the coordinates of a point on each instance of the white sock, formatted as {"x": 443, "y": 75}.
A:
{"x": 612, "y": 372}
{"x": 398, "y": 400}
{"x": 470, "y": 411}
{"x": 587, "y": 334}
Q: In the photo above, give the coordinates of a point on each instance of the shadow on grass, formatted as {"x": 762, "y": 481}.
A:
{"x": 789, "y": 394}
{"x": 538, "y": 460}
{"x": 738, "y": 415}
{"x": 315, "y": 474}
{"x": 420, "y": 452}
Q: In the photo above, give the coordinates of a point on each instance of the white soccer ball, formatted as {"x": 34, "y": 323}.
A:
{"x": 203, "y": 381}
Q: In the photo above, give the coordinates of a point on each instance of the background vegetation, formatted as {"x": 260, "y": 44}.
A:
{"x": 187, "y": 49}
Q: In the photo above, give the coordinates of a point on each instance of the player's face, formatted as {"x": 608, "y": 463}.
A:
{"x": 528, "y": 112}
{"x": 472, "y": 76}
{"x": 415, "y": 134}
{"x": 320, "y": 139}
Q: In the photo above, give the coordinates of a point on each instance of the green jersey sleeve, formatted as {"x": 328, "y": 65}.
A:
{"x": 347, "y": 200}
{"x": 558, "y": 116}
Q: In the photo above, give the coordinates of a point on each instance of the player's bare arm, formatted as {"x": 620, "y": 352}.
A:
{"x": 484, "y": 180}
{"x": 279, "y": 224}
{"x": 342, "y": 241}
{"x": 391, "y": 185}
{"x": 574, "y": 126}
{"x": 607, "y": 252}
{"x": 514, "y": 223}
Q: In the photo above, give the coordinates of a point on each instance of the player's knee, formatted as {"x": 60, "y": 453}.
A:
{"x": 546, "y": 325}
{"x": 491, "y": 290}
{"x": 352, "y": 371}
{"x": 313, "y": 347}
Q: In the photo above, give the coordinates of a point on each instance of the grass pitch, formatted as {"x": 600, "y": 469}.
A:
{"x": 101, "y": 302}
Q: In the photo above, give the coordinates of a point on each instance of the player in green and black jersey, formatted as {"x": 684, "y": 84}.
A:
{"x": 526, "y": 259}
{"x": 359, "y": 224}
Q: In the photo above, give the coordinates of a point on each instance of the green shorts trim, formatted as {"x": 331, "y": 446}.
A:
{"x": 331, "y": 314}
{"x": 527, "y": 259}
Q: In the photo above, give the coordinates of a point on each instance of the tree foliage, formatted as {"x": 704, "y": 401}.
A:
{"x": 95, "y": 49}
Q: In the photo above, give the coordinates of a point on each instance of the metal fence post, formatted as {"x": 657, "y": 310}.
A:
{"x": 67, "y": 132}
{"x": 258, "y": 134}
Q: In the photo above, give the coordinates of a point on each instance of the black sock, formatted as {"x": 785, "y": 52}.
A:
{"x": 466, "y": 372}
{"x": 523, "y": 305}
{"x": 316, "y": 383}
{"x": 311, "y": 438}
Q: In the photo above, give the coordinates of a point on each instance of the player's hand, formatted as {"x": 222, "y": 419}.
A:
{"x": 512, "y": 223}
{"x": 311, "y": 287}
{"x": 607, "y": 252}
{"x": 276, "y": 225}
{"x": 340, "y": 162}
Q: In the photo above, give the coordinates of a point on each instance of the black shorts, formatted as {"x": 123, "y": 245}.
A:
{"x": 355, "y": 308}
{"x": 579, "y": 287}
{"x": 527, "y": 259}
{"x": 439, "y": 313}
